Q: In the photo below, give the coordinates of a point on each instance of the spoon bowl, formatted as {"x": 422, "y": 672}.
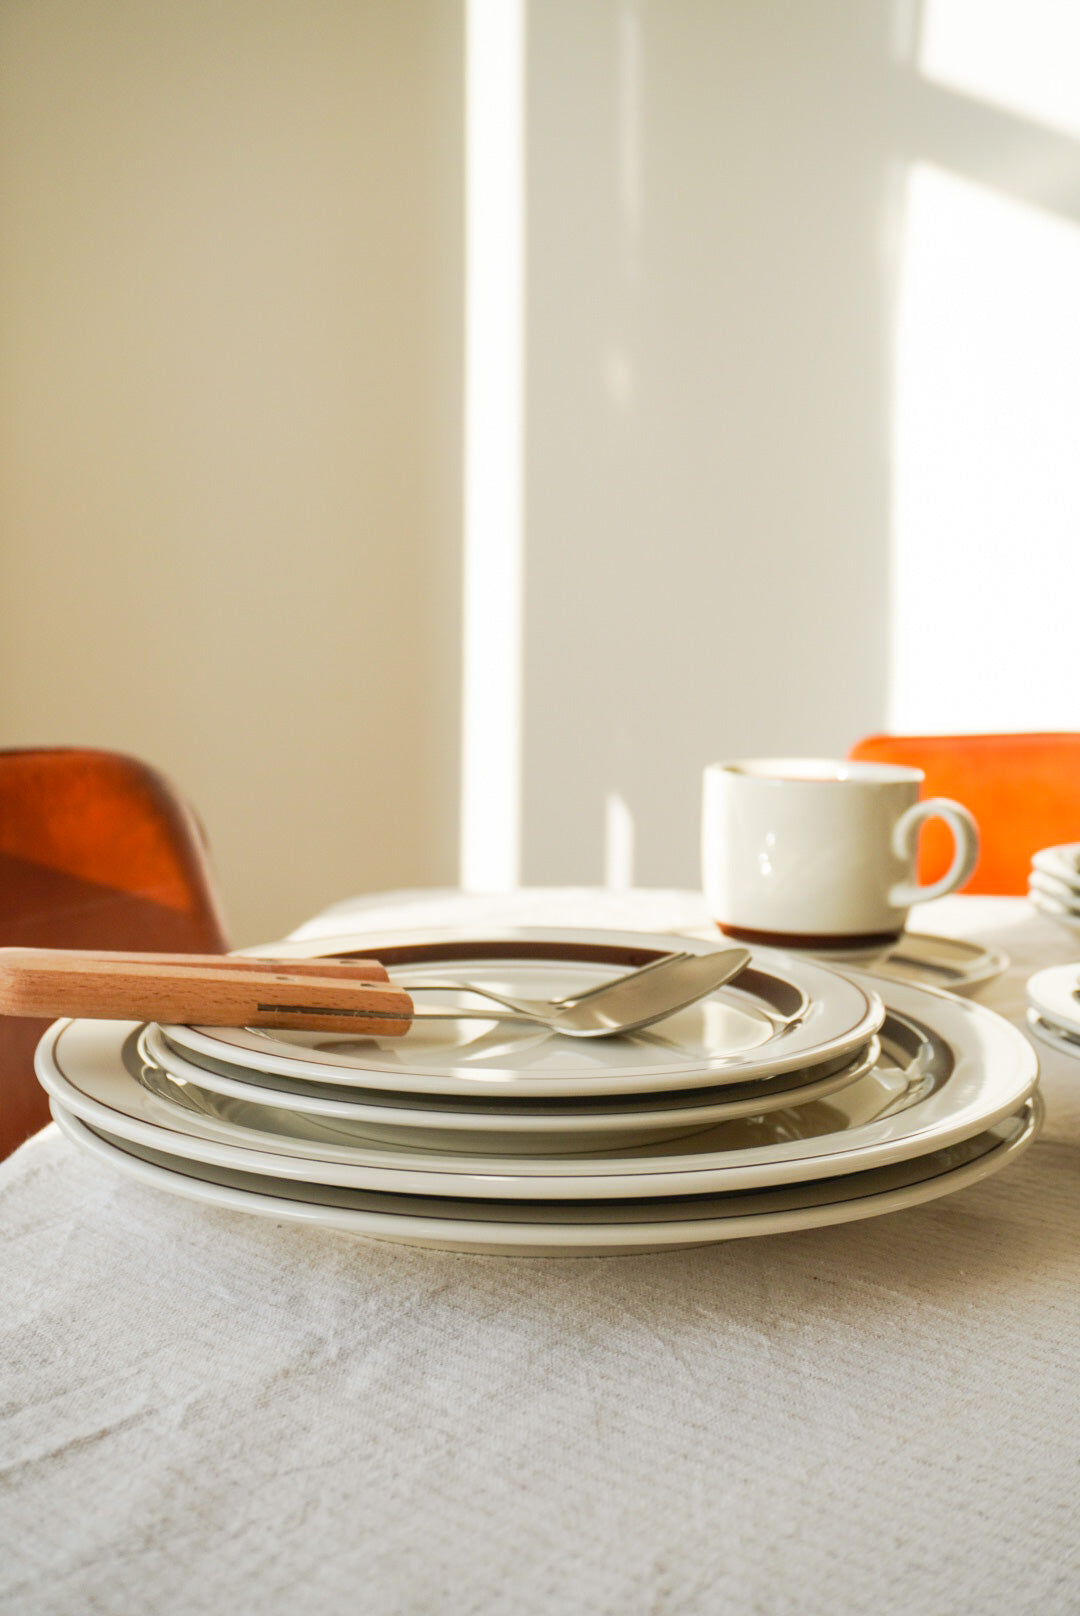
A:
{"x": 627, "y": 1004}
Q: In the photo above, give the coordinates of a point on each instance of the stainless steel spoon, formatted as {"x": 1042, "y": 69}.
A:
{"x": 544, "y": 1009}
{"x": 628, "y": 1003}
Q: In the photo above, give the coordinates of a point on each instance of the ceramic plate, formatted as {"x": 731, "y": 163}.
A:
{"x": 432, "y": 1122}
{"x": 1054, "y": 1037}
{"x": 569, "y": 1229}
{"x": 1062, "y": 863}
{"x": 1053, "y": 995}
{"x": 1048, "y": 886}
{"x": 780, "y": 1015}
{"x": 95, "y": 1071}
{"x": 941, "y": 962}
{"x": 952, "y": 1069}
{"x": 1067, "y": 918}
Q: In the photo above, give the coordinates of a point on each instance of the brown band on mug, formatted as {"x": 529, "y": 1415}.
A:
{"x": 794, "y": 939}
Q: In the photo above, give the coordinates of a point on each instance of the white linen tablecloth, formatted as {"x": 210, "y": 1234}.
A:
{"x": 202, "y": 1411}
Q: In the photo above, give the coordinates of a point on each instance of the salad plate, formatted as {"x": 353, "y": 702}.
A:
{"x": 571, "y": 1228}
{"x": 779, "y": 1015}
{"x": 435, "y": 1122}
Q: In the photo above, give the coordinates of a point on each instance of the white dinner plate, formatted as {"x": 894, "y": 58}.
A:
{"x": 94, "y": 1069}
{"x": 509, "y": 1125}
{"x": 941, "y": 962}
{"x": 1052, "y": 994}
{"x": 965, "y": 1069}
{"x": 568, "y": 1228}
{"x": 779, "y": 1015}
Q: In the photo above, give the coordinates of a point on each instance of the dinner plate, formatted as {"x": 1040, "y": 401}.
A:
{"x": 779, "y": 1015}
{"x": 952, "y": 1069}
{"x": 569, "y": 1228}
{"x": 94, "y": 1069}
{"x": 1053, "y": 994}
{"x": 944, "y": 962}
{"x": 511, "y": 1125}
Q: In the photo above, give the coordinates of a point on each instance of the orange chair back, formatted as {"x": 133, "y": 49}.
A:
{"x": 96, "y": 851}
{"x": 1024, "y": 791}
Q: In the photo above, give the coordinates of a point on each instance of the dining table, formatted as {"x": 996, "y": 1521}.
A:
{"x": 207, "y": 1411}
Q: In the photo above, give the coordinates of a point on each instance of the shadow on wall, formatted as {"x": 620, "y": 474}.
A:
{"x": 716, "y": 246}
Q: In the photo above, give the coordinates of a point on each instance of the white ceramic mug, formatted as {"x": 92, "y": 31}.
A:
{"x": 813, "y": 852}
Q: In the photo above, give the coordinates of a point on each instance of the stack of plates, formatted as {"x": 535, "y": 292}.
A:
{"x": 793, "y": 1097}
{"x": 1054, "y": 883}
{"x": 1054, "y": 1008}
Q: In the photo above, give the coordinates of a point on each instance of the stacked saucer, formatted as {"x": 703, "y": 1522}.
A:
{"x": 1054, "y": 1008}
{"x": 792, "y": 1097}
{"x": 1054, "y": 884}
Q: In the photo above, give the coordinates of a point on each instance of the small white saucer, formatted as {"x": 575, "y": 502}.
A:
{"x": 951, "y": 963}
{"x": 1069, "y": 918}
{"x": 1059, "y": 892}
{"x": 1052, "y": 994}
{"x": 1054, "y": 1037}
{"x": 1061, "y": 863}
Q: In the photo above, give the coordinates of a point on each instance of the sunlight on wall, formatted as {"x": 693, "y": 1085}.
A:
{"x": 1020, "y": 55}
{"x": 494, "y": 339}
{"x": 618, "y": 843}
{"x": 986, "y": 572}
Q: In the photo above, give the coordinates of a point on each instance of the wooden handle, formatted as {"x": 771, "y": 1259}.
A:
{"x": 205, "y": 989}
{"x": 356, "y": 970}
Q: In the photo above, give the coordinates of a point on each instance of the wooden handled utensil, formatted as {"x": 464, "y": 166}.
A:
{"x": 355, "y": 996}
{"x": 213, "y": 990}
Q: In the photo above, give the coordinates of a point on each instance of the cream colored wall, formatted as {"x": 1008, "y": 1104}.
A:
{"x": 230, "y": 377}
{"x": 711, "y": 194}
{"x": 735, "y": 543}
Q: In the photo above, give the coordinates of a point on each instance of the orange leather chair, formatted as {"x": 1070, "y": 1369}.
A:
{"x": 97, "y": 850}
{"x": 1024, "y": 791}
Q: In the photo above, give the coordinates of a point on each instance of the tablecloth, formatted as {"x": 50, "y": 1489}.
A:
{"x": 202, "y": 1411}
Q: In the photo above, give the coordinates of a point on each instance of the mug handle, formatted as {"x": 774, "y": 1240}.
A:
{"x": 965, "y": 835}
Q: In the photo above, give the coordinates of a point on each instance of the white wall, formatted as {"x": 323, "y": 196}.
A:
{"x": 231, "y": 327}
{"x": 707, "y": 478}
{"x": 802, "y": 364}
{"x": 230, "y": 440}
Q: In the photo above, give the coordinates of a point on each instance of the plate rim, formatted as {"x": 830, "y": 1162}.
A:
{"x": 234, "y": 1044}
{"x": 1049, "y": 886}
{"x": 1051, "y": 1036}
{"x": 1059, "y": 861}
{"x": 559, "y": 1239}
{"x": 474, "y": 1177}
{"x": 1069, "y": 919}
{"x": 986, "y": 966}
{"x": 655, "y": 1109}
{"x": 1041, "y": 992}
